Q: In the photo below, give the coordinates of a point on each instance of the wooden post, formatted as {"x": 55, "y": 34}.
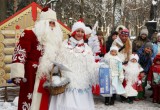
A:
{"x": 5, "y": 94}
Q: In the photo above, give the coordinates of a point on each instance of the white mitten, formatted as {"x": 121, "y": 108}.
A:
{"x": 55, "y": 69}
{"x": 56, "y": 80}
{"x": 139, "y": 82}
{"x": 121, "y": 80}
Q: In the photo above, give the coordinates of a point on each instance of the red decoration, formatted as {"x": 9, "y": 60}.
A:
{"x": 81, "y": 20}
{"x": 34, "y": 11}
{"x": 17, "y": 27}
{"x": 45, "y": 9}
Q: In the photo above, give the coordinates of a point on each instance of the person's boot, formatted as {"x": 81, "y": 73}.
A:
{"x": 112, "y": 99}
{"x": 130, "y": 100}
{"x": 106, "y": 101}
{"x": 123, "y": 99}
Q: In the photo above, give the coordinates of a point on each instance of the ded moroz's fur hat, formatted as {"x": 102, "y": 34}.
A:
{"x": 48, "y": 14}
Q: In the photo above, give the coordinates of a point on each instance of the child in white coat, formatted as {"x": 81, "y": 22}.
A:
{"x": 117, "y": 76}
{"x": 133, "y": 76}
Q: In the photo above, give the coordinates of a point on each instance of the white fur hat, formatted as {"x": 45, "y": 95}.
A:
{"x": 114, "y": 48}
{"x": 78, "y": 25}
{"x": 48, "y": 14}
{"x": 134, "y": 56}
{"x": 88, "y": 30}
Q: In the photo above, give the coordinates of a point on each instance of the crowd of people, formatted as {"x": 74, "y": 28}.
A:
{"x": 132, "y": 65}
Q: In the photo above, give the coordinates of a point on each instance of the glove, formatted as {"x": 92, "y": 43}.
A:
{"x": 18, "y": 80}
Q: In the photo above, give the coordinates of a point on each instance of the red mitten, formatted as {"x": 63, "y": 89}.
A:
{"x": 93, "y": 89}
{"x": 97, "y": 89}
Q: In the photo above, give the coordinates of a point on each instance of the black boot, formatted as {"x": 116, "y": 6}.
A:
{"x": 130, "y": 100}
{"x": 112, "y": 99}
{"x": 106, "y": 101}
{"x": 123, "y": 99}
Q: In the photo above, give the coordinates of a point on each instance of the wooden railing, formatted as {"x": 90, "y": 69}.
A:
{"x": 8, "y": 92}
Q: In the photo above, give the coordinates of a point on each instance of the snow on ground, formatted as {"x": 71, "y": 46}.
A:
{"x": 99, "y": 104}
{"x": 137, "y": 105}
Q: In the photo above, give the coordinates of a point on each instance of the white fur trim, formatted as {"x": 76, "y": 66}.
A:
{"x": 52, "y": 43}
{"x": 118, "y": 40}
{"x": 88, "y": 31}
{"x": 134, "y": 56}
{"x": 36, "y": 99}
{"x": 48, "y": 15}
{"x": 114, "y": 48}
{"x": 130, "y": 91}
{"x": 82, "y": 67}
{"x": 123, "y": 27}
{"x": 109, "y": 56}
{"x": 17, "y": 70}
{"x": 93, "y": 42}
{"x": 78, "y": 25}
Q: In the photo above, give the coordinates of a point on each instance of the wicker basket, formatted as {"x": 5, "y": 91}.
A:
{"x": 56, "y": 90}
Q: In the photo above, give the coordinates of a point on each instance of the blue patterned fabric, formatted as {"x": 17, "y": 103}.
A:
{"x": 155, "y": 50}
{"x": 145, "y": 60}
{"x": 81, "y": 91}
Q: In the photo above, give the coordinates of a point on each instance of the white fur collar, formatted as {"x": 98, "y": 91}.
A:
{"x": 118, "y": 40}
{"x": 109, "y": 56}
{"x": 74, "y": 41}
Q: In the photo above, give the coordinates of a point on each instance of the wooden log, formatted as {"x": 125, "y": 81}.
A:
{"x": 1, "y": 37}
{"x": 8, "y": 33}
{"x": 8, "y": 59}
{"x": 8, "y": 85}
{"x": 9, "y": 42}
{"x": 1, "y": 47}
{"x": 8, "y": 51}
{"x": 7, "y": 68}
{"x": 2, "y": 64}
{"x": 1, "y": 56}
{"x": 2, "y": 72}
{"x": 7, "y": 76}
{"x": 2, "y": 81}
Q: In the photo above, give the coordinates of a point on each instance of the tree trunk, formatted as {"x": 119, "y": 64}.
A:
{"x": 81, "y": 8}
{"x": 15, "y": 5}
{"x": 3, "y": 9}
{"x": 113, "y": 17}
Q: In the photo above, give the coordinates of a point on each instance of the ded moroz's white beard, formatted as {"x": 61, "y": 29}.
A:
{"x": 132, "y": 71}
{"x": 52, "y": 40}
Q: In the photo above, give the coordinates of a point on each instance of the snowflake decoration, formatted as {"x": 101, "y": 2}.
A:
{"x": 19, "y": 54}
{"x": 35, "y": 65}
{"x": 39, "y": 47}
{"x": 26, "y": 106}
{"x": 22, "y": 34}
{"x": 29, "y": 96}
{"x": 17, "y": 80}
